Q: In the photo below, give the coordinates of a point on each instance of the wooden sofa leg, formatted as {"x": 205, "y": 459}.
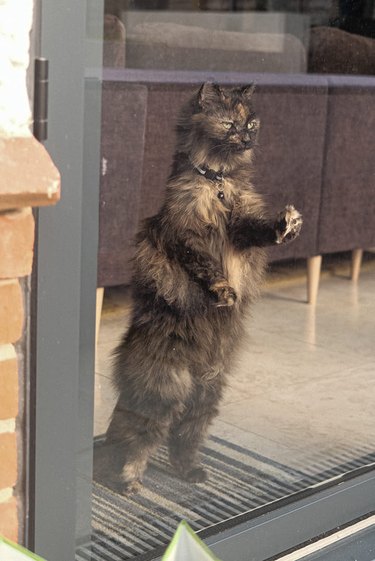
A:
{"x": 357, "y": 255}
{"x": 99, "y": 306}
{"x": 314, "y": 265}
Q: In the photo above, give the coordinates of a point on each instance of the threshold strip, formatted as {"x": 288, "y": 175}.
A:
{"x": 329, "y": 540}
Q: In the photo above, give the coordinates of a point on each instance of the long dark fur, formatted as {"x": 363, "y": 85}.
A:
{"x": 199, "y": 264}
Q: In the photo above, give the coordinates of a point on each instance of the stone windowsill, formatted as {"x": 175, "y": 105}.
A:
{"x": 28, "y": 175}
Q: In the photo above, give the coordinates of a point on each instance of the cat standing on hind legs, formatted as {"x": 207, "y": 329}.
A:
{"x": 198, "y": 266}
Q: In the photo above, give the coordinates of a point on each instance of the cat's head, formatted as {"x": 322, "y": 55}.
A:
{"x": 225, "y": 119}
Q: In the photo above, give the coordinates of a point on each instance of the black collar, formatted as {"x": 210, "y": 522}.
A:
{"x": 215, "y": 177}
{"x": 210, "y": 173}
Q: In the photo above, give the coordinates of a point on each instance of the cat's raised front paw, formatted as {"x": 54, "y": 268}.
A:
{"x": 224, "y": 294}
{"x": 288, "y": 225}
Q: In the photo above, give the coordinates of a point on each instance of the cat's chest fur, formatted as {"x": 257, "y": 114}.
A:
{"x": 216, "y": 203}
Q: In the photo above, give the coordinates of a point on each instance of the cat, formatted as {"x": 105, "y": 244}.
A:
{"x": 198, "y": 265}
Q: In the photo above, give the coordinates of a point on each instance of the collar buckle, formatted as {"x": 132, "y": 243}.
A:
{"x": 210, "y": 174}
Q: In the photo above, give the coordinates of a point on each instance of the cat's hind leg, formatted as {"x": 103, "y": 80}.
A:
{"x": 131, "y": 439}
{"x": 188, "y": 433}
{"x": 150, "y": 397}
{"x": 184, "y": 442}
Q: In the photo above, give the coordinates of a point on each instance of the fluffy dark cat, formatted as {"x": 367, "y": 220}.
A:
{"x": 199, "y": 263}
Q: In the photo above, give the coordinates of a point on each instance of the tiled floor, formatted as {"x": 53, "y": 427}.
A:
{"x": 304, "y": 386}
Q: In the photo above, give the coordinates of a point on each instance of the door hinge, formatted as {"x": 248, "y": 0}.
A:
{"x": 40, "y": 126}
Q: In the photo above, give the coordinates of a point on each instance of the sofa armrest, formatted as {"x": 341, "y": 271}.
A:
{"x": 124, "y": 108}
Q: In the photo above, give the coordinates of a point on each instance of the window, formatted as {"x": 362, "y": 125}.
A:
{"x": 290, "y": 454}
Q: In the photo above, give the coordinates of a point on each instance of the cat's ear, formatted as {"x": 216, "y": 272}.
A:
{"x": 209, "y": 94}
{"x": 247, "y": 91}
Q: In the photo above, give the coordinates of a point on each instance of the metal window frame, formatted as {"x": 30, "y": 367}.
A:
{"x": 63, "y": 388}
{"x": 61, "y": 417}
{"x": 298, "y": 522}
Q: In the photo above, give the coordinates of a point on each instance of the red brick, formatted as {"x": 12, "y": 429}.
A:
{"x": 11, "y": 311}
{"x": 28, "y": 175}
{"x": 16, "y": 243}
{"x": 8, "y": 382}
{"x": 9, "y": 519}
{"x": 8, "y": 464}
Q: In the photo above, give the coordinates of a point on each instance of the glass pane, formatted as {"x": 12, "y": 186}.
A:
{"x": 214, "y": 403}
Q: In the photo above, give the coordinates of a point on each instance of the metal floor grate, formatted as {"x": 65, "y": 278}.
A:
{"x": 240, "y": 481}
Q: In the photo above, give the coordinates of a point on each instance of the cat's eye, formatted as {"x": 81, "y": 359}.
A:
{"x": 251, "y": 125}
{"x": 227, "y": 124}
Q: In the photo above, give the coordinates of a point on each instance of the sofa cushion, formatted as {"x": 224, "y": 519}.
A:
{"x": 333, "y": 51}
{"x": 348, "y": 186}
{"x": 174, "y": 46}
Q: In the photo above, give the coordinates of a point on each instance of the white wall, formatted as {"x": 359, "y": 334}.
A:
{"x": 15, "y": 25}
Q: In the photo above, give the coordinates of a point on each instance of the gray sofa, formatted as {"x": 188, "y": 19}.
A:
{"x": 316, "y": 151}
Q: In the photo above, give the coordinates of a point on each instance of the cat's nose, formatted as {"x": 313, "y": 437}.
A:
{"x": 247, "y": 143}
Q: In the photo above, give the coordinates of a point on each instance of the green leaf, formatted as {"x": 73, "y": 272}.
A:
{"x": 186, "y": 546}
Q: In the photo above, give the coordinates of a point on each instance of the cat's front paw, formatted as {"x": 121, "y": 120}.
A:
{"x": 224, "y": 294}
{"x": 288, "y": 225}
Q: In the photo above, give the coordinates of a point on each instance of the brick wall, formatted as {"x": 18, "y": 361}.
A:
{"x": 16, "y": 250}
{"x": 28, "y": 178}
